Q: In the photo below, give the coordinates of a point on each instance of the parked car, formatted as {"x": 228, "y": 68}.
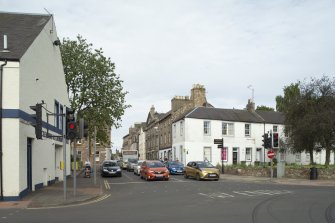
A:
{"x": 154, "y": 170}
{"x": 137, "y": 168}
{"x": 131, "y": 164}
{"x": 110, "y": 168}
{"x": 201, "y": 170}
{"x": 175, "y": 167}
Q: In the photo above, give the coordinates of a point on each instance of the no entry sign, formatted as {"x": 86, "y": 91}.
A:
{"x": 271, "y": 154}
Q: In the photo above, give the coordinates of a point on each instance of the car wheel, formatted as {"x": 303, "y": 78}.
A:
{"x": 146, "y": 178}
{"x": 197, "y": 177}
{"x": 185, "y": 176}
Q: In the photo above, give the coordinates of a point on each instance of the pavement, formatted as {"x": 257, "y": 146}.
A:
{"x": 88, "y": 191}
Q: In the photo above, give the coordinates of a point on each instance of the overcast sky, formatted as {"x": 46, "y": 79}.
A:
{"x": 162, "y": 47}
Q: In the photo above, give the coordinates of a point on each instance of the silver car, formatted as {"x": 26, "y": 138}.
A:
{"x": 131, "y": 164}
{"x": 137, "y": 168}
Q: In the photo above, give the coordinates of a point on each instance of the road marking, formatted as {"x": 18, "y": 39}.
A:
{"x": 136, "y": 182}
{"x": 74, "y": 205}
{"x": 107, "y": 185}
{"x": 206, "y": 195}
{"x": 128, "y": 176}
{"x": 243, "y": 193}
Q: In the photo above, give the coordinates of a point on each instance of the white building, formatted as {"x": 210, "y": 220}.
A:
{"x": 241, "y": 131}
{"x": 32, "y": 72}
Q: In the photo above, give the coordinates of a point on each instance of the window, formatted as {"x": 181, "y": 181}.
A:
{"x": 57, "y": 114}
{"x": 208, "y": 154}
{"x": 248, "y": 154}
{"x": 207, "y": 128}
{"x": 61, "y": 117}
{"x": 247, "y": 130}
{"x": 78, "y": 154}
{"x": 97, "y": 156}
{"x": 297, "y": 157}
{"x": 275, "y": 128}
{"x": 181, "y": 128}
{"x": 227, "y": 129}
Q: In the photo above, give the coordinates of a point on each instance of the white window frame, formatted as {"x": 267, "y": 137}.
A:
{"x": 247, "y": 132}
{"x": 207, "y": 128}
{"x": 250, "y": 155}
{"x": 275, "y": 128}
{"x": 228, "y": 129}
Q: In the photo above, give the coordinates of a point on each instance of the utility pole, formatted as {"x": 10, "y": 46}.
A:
{"x": 95, "y": 150}
{"x": 64, "y": 155}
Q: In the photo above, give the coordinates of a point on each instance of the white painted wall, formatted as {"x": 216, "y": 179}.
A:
{"x": 38, "y": 76}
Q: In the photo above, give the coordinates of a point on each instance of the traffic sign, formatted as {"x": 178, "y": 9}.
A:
{"x": 218, "y": 141}
{"x": 271, "y": 154}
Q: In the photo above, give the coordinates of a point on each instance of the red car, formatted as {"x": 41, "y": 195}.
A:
{"x": 154, "y": 170}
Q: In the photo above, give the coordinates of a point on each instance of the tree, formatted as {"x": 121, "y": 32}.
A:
{"x": 264, "y": 108}
{"x": 95, "y": 91}
{"x": 309, "y": 110}
{"x": 293, "y": 105}
{"x": 322, "y": 111}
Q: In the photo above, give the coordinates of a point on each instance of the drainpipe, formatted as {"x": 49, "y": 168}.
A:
{"x": 1, "y": 170}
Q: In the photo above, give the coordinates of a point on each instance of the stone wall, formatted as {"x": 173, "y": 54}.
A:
{"x": 296, "y": 172}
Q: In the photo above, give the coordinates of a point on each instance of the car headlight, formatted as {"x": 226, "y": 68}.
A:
{"x": 150, "y": 171}
{"x": 118, "y": 170}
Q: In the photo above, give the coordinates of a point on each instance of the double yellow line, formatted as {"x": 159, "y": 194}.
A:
{"x": 107, "y": 186}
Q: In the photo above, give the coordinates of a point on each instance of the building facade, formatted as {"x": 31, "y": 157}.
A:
{"x": 31, "y": 73}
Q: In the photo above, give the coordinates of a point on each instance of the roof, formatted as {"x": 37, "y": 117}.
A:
{"x": 21, "y": 31}
{"x": 236, "y": 115}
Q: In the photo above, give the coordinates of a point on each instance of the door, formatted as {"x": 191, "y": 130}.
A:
{"x": 235, "y": 156}
{"x": 208, "y": 154}
{"x": 29, "y": 165}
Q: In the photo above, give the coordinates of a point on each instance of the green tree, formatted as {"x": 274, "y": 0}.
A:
{"x": 322, "y": 111}
{"x": 95, "y": 91}
{"x": 296, "y": 109}
{"x": 264, "y": 108}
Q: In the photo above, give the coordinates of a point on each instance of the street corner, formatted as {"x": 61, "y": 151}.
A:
{"x": 14, "y": 204}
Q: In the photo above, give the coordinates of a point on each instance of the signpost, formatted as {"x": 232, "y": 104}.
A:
{"x": 271, "y": 154}
{"x": 219, "y": 142}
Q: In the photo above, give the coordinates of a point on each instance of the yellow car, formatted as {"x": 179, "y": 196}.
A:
{"x": 201, "y": 170}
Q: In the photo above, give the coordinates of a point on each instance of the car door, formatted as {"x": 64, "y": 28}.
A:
{"x": 191, "y": 168}
{"x": 142, "y": 168}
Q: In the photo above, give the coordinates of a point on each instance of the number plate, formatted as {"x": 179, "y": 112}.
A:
{"x": 159, "y": 175}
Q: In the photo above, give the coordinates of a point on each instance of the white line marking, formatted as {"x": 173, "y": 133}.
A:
{"x": 246, "y": 194}
{"x": 206, "y": 195}
{"x": 74, "y": 205}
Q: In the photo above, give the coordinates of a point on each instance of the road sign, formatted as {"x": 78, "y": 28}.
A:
{"x": 271, "y": 154}
{"x": 218, "y": 141}
{"x": 220, "y": 146}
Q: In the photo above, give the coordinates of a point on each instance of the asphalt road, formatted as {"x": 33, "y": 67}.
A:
{"x": 186, "y": 200}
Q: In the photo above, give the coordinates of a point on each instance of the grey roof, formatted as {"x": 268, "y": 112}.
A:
{"x": 236, "y": 115}
{"x": 21, "y": 31}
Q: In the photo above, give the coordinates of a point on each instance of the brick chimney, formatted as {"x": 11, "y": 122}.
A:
{"x": 251, "y": 105}
{"x": 198, "y": 95}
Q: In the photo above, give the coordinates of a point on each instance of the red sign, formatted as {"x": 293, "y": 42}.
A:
{"x": 224, "y": 154}
{"x": 271, "y": 154}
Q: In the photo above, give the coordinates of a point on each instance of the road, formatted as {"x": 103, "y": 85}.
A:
{"x": 186, "y": 200}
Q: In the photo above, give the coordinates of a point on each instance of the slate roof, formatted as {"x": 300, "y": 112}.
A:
{"x": 21, "y": 31}
{"x": 236, "y": 115}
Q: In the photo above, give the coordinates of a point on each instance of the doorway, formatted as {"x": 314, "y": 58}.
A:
{"x": 235, "y": 156}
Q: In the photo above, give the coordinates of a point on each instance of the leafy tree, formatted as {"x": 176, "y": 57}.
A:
{"x": 309, "y": 110}
{"x": 95, "y": 91}
{"x": 322, "y": 111}
{"x": 264, "y": 108}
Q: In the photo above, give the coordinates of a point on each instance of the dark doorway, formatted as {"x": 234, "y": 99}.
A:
{"x": 29, "y": 164}
{"x": 234, "y": 158}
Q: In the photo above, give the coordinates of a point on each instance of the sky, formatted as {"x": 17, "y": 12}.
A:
{"x": 162, "y": 47}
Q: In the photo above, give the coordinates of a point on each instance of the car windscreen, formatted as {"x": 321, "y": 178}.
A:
{"x": 155, "y": 164}
{"x": 107, "y": 164}
{"x": 132, "y": 160}
{"x": 205, "y": 165}
{"x": 175, "y": 164}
